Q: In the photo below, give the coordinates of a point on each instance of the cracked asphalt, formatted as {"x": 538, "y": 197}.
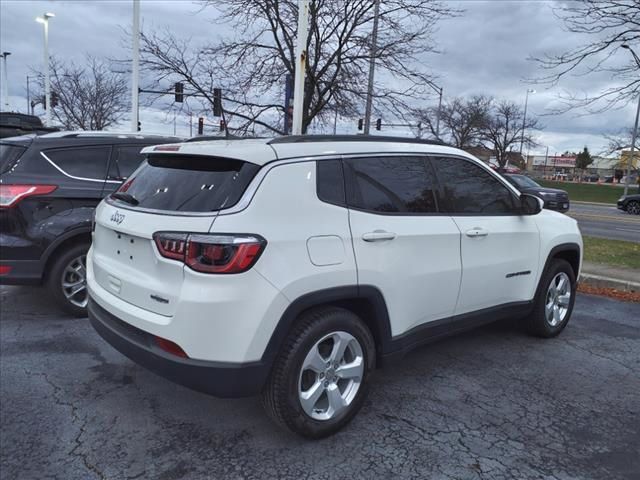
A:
{"x": 489, "y": 404}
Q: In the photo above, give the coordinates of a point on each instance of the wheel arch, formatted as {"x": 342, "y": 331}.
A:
{"x": 367, "y": 302}
{"x": 62, "y": 243}
{"x": 566, "y": 251}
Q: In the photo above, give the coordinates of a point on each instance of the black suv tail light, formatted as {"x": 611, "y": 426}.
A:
{"x": 10, "y": 195}
{"x": 211, "y": 253}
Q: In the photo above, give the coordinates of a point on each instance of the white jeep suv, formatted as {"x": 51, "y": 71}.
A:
{"x": 292, "y": 267}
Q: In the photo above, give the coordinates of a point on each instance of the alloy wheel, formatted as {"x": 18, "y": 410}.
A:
{"x": 331, "y": 375}
{"x": 634, "y": 208}
{"x": 74, "y": 281}
{"x": 558, "y": 299}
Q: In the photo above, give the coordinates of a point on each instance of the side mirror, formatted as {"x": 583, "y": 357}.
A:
{"x": 530, "y": 204}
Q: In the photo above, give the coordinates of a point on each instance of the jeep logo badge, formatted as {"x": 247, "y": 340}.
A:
{"x": 117, "y": 217}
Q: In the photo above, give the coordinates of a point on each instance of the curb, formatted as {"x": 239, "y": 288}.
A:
{"x": 600, "y": 204}
{"x": 600, "y": 281}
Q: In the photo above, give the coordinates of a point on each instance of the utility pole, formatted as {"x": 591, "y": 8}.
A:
{"x": 524, "y": 117}
{"x": 635, "y": 129}
{"x": 372, "y": 67}
{"x": 301, "y": 66}
{"x": 439, "y": 114}
{"x": 5, "y": 80}
{"x": 135, "y": 66}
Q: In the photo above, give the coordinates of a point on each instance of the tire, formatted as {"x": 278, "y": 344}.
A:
{"x": 61, "y": 272}
{"x": 314, "y": 338}
{"x": 633, "y": 207}
{"x": 552, "y": 309}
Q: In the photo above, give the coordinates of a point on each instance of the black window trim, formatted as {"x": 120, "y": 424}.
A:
{"x": 344, "y": 182}
{"x": 428, "y": 170}
{"x": 510, "y": 188}
{"x": 75, "y": 177}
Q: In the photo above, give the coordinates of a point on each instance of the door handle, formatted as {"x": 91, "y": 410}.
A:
{"x": 378, "y": 236}
{"x": 477, "y": 232}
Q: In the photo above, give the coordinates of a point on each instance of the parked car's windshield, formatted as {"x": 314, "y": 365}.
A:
{"x": 522, "y": 181}
{"x": 8, "y": 156}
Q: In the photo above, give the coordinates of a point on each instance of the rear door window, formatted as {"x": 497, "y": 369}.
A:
{"x": 395, "y": 184}
{"x": 190, "y": 183}
{"x": 82, "y": 162}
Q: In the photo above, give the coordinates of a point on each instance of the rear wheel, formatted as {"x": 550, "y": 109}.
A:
{"x": 67, "y": 280}
{"x": 320, "y": 379}
{"x": 633, "y": 207}
{"x": 554, "y": 302}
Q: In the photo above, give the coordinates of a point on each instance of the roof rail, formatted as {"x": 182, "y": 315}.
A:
{"x": 88, "y": 133}
{"x": 206, "y": 138}
{"x": 350, "y": 138}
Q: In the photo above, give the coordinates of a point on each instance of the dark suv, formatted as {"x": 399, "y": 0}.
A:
{"x": 49, "y": 188}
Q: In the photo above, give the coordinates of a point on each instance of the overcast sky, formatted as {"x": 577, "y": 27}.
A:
{"x": 485, "y": 50}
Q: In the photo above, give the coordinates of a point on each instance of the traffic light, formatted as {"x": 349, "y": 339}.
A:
{"x": 54, "y": 99}
{"x": 139, "y": 126}
{"x": 179, "y": 97}
{"x": 378, "y": 124}
{"x": 200, "y": 125}
{"x": 217, "y": 102}
{"x": 223, "y": 125}
{"x": 360, "y": 122}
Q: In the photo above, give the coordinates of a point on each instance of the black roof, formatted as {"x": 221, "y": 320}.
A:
{"x": 350, "y": 138}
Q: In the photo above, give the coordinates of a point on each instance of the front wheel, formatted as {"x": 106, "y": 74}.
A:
{"x": 67, "y": 280}
{"x": 320, "y": 379}
{"x": 554, "y": 301}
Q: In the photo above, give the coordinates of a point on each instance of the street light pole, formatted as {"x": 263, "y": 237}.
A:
{"x": 301, "y": 66}
{"x": 4, "y": 80}
{"x": 135, "y": 65}
{"x": 635, "y": 128}
{"x": 372, "y": 67}
{"x": 524, "y": 117}
{"x": 44, "y": 19}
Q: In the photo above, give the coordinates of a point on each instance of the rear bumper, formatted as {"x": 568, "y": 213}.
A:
{"x": 21, "y": 272}
{"x": 220, "y": 379}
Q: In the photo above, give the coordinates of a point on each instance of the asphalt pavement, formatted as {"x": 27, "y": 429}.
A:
{"x": 606, "y": 221}
{"x": 489, "y": 404}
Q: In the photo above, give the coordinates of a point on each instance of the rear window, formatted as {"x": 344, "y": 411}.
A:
{"x": 9, "y": 154}
{"x": 190, "y": 183}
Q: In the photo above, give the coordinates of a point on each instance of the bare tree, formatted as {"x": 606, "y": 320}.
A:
{"x": 505, "y": 128}
{"x": 89, "y": 97}
{"x": 609, "y": 24}
{"x": 462, "y": 120}
{"x": 252, "y": 66}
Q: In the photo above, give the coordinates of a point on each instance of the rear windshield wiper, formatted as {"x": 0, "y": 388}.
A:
{"x": 125, "y": 197}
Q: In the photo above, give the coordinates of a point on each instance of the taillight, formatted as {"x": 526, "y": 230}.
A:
{"x": 215, "y": 253}
{"x": 10, "y": 195}
{"x": 5, "y": 269}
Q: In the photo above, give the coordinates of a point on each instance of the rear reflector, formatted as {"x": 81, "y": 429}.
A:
{"x": 211, "y": 253}
{"x": 5, "y": 269}
{"x": 170, "y": 347}
{"x": 10, "y": 195}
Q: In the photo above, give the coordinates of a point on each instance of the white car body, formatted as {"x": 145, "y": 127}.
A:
{"x": 433, "y": 269}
